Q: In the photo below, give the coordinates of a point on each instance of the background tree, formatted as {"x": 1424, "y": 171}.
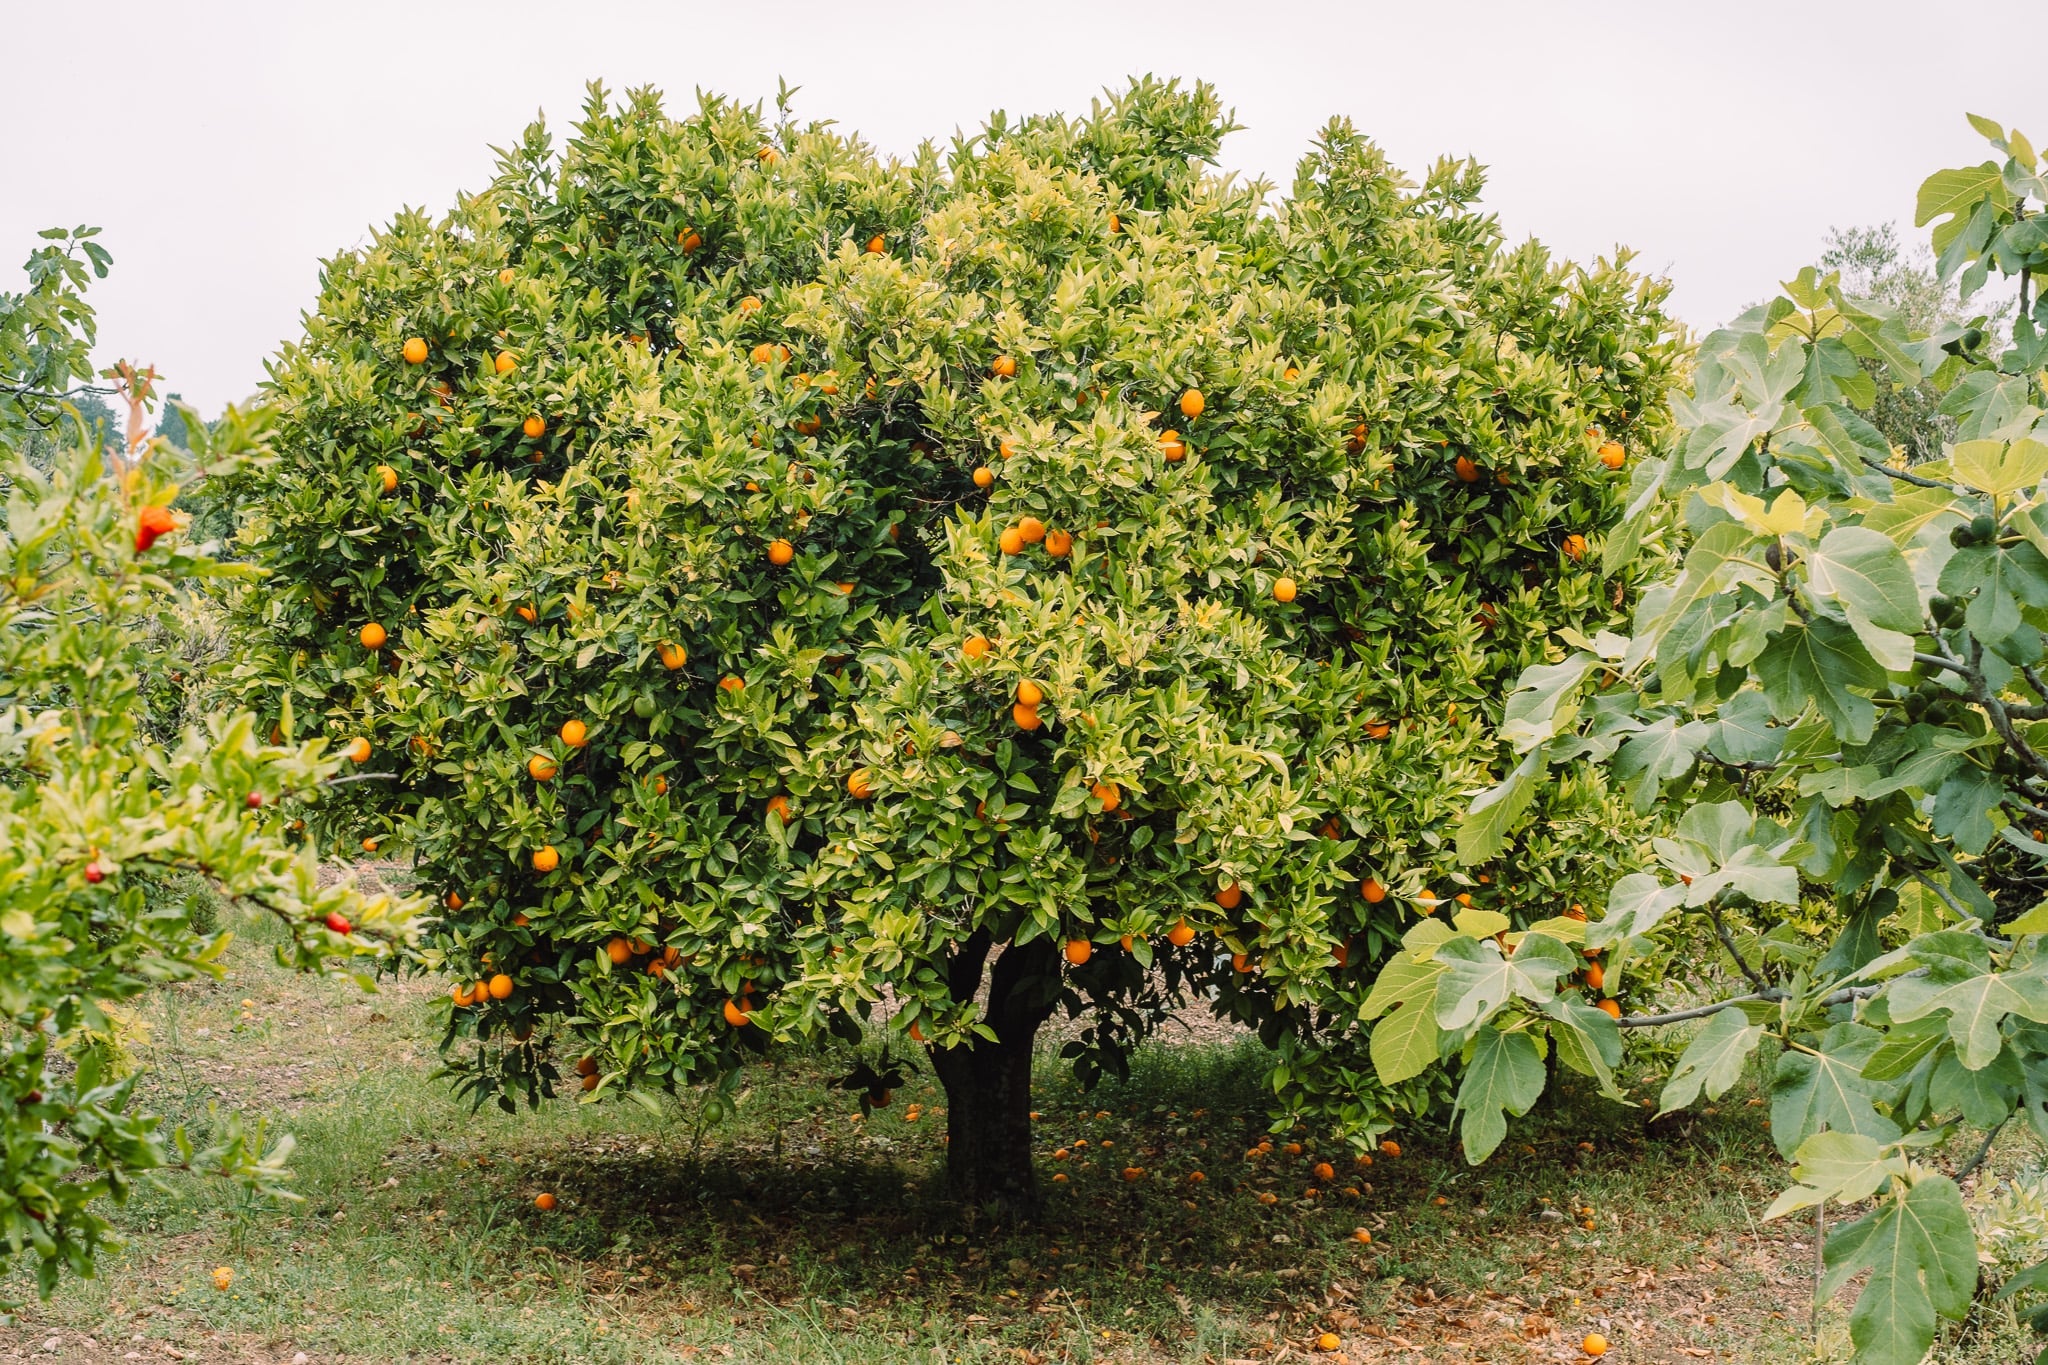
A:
{"x": 97, "y": 814}
{"x": 798, "y": 591}
{"x": 1838, "y": 695}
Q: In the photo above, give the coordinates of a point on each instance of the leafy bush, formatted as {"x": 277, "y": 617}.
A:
{"x": 1839, "y": 693}
{"x": 98, "y": 818}
{"x": 1043, "y": 574}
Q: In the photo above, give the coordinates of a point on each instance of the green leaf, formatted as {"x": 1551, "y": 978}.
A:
{"x": 1588, "y": 1040}
{"x": 1975, "y": 1004}
{"x": 1955, "y": 194}
{"x": 1819, "y": 662}
{"x": 1484, "y": 830}
{"x": 1999, "y": 467}
{"x": 1712, "y": 1061}
{"x": 1743, "y": 733}
{"x": 1921, "y": 1255}
{"x": 1845, "y": 1167}
{"x": 1405, "y": 1043}
{"x": 1637, "y": 904}
{"x": 1478, "y": 980}
{"x": 1505, "y": 1076}
{"x": 1403, "y": 979}
{"x": 1866, "y": 574}
{"x": 1825, "y": 1088}
{"x": 1535, "y": 709}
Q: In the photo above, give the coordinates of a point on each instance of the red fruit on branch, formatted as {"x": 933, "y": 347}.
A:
{"x": 151, "y": 523}
{"x": 338, "y": 923}
{"x": 95, "y": 874}
{"x": 255, "y": 800}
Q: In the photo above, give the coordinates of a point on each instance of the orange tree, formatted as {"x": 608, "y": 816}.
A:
{"x": 795, "y": 589}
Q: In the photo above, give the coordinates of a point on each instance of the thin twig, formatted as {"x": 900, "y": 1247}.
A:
{"x": 1969, "y": 1168}
{"x": 1766, "y": 996}
{"x": 1950, "y": 901}
{"x": 1756, "y": 978}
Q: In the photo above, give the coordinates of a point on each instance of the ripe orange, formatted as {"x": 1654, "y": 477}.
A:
{"x": 1596, "y": 976}
{"x": 589, "y": 1083}
{"x": 526, "y": 614}
{"x": 545, "y": 859}
{"x": 453, "y": 900}
{"x": 1079, "y": 950}
{"x": 1127, "y": 942}
{"x": 1029, "y": 694}
{"x": 916, "y": 1034}
{"x": 1611, "y": 1007}
{"x": 618, "y": 950}
{"x": 1191, "y": 404}
{"x": 1134, "y": 1173}
{"x": 1342, "y": 953}
{"x": 984, "y": 476}
{"x": 501, "y": 986}
{"x": 358, "y": 750}
{"x": 1467, "y": 471}
{"x": 1229, "y": 897}
{"x": 976, "y": 647}
{"x": 1108, "y": 794}
{"x": 535, "y": 427}
{"x": 779, "y": 805}
{"x": 736, "y": 1014}
{"x": 1594, "y": 1344}
{"x": 506, "y": 276}
{"x": 1011, "y": 541}
{"x": 1575, "y": 546}
{"x": 689, "y": 239}
{"x": 1031, "y": 530}
{"x": 1006, "y": 448}
{"x": 780, "y": 552}
{"x": 461, "y": 995}
{"x": 1390, "y": 1148}
{"x": 1325, "y": 1172}
{"x": 1240, "y": 962}
{"x": 574, "y": 733}
{"x": 1613, "y": 454}
{"x": 877, "y": 245}
{"x": 729, "y": 683}
{"x": 1025, "y": 716}
{"x": 1378, "y": 729}
{"x": 540, "y": 768}
{"x": 415, "y": 351}
{"x": 1181, "y": 935}
{"x": 1172, "y": 447}
{"x": 673, "y": 656}
{"x": 1059, "y": 544}
{"x": 1005, "y": 366}
{"x": 1328, "y": 1341}
{"x": 388, "y": 478}
{"x": 1361, "y": 1236}
{"x": 1373, "y": 892}
{"x": 1284, "y": 590}
{"x": 505, "y": 362}
{"x": 372, "y": 636}
{"x": 544, "y": 1202}
{"x": 859, "y": 784}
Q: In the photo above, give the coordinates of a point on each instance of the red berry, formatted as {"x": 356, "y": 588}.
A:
{"x": 95, "y": 874}
{"x": 255, "y": 800}
{"x": 32, "y": 1097}
{"x": 338, "y": 923}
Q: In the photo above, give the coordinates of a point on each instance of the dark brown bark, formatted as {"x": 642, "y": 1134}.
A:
{"x": 988, "y": 1085}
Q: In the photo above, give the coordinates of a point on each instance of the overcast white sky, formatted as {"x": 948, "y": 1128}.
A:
{"x": 225, "y": 147}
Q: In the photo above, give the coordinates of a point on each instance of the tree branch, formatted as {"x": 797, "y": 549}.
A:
{"x": 1904, "y": 477}
{"x": 1768, "y": 995}
{"x": 1756, "y": 978}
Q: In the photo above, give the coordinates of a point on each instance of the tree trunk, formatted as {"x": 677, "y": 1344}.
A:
{"x": 988, "y": 1084}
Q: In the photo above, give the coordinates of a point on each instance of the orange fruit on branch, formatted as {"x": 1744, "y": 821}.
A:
{"x": 1011, "y": 541}
{"x": 505, "y": 362}
{"x": 574, "y": 733}
{"x": 535, "y": 427}
{"x": 780, "y": 552}
{"x": 673, "y": 656}
{"x": 372, "y": 636}
{"x": 540, "y": 768}
{"x": 1284, "y": 590}
{"x": 1031, "y": 530}
{"x": 1181, "y": 935}
{"x": 1079, "y": 950}
{"x": 1059, "y": 544}
{"x": 415, "y": 351}
{"x": 1192, "y": 403}
{"x": 358, "y": 750}
{"x": 1613, "y": 454}
{"x": 546, "y": 859}
{"x": 1004, "y": 366}
{"x": 1229, "y": 897}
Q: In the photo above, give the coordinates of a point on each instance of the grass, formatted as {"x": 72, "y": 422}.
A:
{"x": 796, "y": 1231}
